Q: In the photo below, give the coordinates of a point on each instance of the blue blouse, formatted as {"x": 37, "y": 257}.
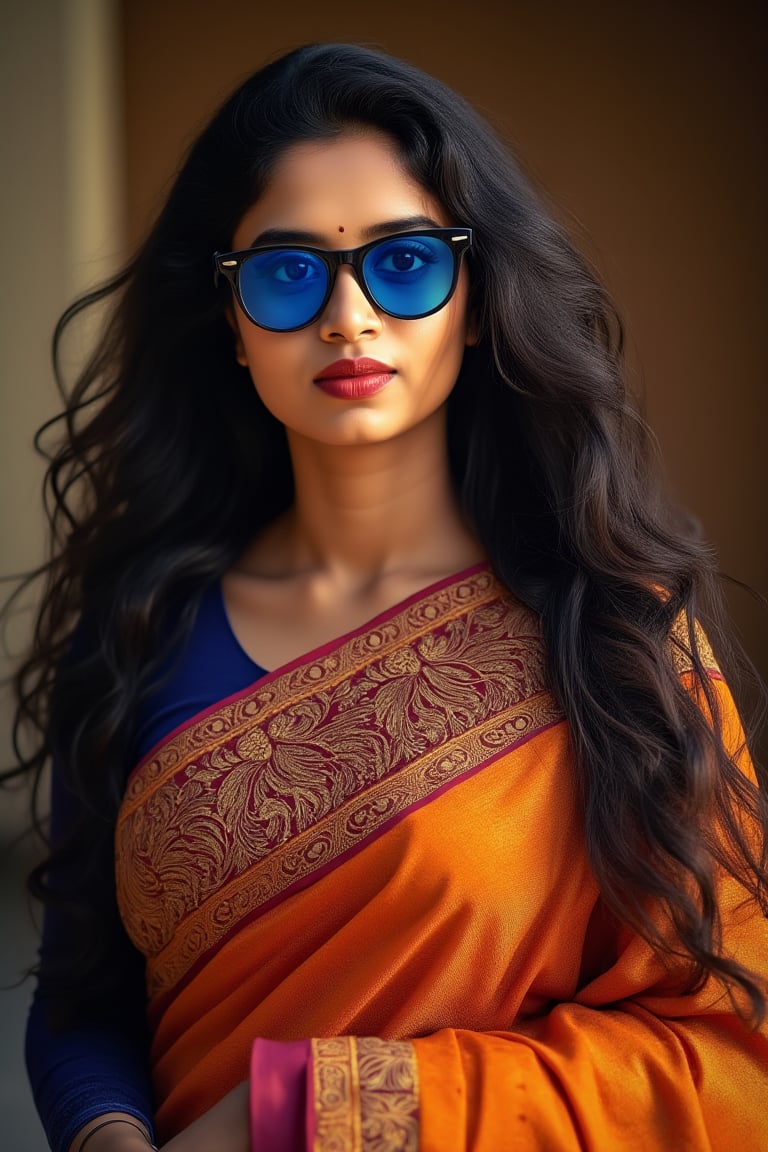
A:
{"x": 86, "y": 1071}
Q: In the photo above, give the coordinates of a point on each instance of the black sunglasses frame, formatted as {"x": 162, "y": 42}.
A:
{"x": 227, "y": 265}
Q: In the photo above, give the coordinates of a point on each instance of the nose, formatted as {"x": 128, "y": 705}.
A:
{"x": 349, "y": 315}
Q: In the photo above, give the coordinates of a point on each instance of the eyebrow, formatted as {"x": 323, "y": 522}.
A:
{"x": 386, "y": 228}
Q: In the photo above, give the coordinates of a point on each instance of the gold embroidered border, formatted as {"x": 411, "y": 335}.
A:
{"x": 361, "y": 817}
{"x": 250, "y": 804}
{"x": 680, "y": 644}
{"x": 312, "y": 676}
{"x": 366, "y": 1095}
{"x": 336, "y": 1095}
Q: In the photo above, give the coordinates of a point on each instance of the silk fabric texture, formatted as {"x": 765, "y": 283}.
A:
{"x": 375, "y": 855}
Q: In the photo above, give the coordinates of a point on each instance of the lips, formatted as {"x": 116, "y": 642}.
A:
{"x": 348, "y": 379}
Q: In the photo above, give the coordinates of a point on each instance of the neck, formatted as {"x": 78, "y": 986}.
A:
{"x": 368, "y": 511}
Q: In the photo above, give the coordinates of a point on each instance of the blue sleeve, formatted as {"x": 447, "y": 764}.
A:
{"x": 83, "y": 1073}
{"x": 103, "y": 1066}
{"x": 90, "y": 1068}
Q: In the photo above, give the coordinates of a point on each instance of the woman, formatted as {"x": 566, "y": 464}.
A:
{"x": 378, "y": 676}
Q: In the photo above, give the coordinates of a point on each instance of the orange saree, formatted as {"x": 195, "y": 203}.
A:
{"x": 375, "y": 856}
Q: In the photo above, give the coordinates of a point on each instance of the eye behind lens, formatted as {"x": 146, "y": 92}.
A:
{"x": 283, "y": 289}
{"x": 410, "y": 276}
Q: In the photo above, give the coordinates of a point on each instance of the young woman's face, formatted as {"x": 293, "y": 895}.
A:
{"x": 340, "y": 193}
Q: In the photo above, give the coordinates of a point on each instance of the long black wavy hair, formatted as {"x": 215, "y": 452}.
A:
{"x": 151, "y": 499}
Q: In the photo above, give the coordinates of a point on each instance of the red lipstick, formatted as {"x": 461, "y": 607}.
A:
{"x": 351, "y": 379}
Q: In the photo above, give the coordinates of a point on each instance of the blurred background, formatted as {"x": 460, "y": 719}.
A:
{"x": 641, "y": 123}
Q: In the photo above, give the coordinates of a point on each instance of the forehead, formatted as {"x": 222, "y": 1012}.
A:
{"x": 352, "y": 182}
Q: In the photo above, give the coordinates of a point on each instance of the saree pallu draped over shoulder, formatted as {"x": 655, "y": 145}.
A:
{"x": 364, "y": 879}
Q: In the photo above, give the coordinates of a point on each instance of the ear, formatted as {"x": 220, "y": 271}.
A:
{"x": 472, "y": 334}
{"x": 240, "y": 355}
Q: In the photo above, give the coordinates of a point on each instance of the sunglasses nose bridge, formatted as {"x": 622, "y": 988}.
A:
{"x": 352, "y": 258}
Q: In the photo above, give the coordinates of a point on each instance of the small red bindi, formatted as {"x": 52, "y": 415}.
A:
{"x": 341, "y": 227}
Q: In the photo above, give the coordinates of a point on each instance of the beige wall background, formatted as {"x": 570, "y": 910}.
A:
{"x": 61, "y": 230}
{"x": 642, "y": 122}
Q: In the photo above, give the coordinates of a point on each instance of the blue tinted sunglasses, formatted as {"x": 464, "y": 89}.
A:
{"x": 284, "y": 287}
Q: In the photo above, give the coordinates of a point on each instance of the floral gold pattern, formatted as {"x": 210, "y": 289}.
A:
{"x": 680, "y": 645}
{"x": 280, "y": 782}
{"x": 366, "y": 1095}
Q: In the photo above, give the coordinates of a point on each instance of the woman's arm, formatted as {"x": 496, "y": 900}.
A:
{"x": 225, "y": 1126}
{"x": 86, "y": 1073}
{"x": 112, "y": 1132}
{"x": 95, "y": 1066}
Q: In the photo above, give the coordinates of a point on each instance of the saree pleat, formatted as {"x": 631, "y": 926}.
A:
{"x": 380, "y": 848}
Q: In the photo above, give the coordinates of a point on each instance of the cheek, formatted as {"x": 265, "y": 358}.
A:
{"x": 277, "y": 364}
{"x": 447, "y": 340}
{"x": 265, "y": 354}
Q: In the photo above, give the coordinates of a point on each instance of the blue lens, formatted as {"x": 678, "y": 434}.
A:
{"x": 410, "y": 275}
{"x": 283, "y": 289}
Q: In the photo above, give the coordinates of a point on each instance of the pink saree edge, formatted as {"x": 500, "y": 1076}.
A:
{"x": 159, "y": 1005}
{"x": 278, "y": 1094}
{"x": 310, "y": 1113}
{"x": 305, "y": 658}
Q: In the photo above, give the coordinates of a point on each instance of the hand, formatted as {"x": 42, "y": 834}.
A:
{"x": 112, "y": 1132}
{"x": 118, "y": 1138}
{"x": 226, "y": 1125}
